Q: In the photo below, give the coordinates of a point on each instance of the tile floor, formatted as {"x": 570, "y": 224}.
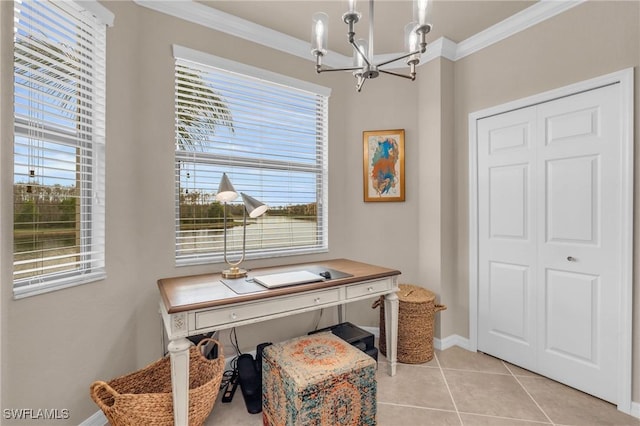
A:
{"x": 459, "y": 387}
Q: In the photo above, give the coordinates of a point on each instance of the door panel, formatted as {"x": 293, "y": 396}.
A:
{"x": 572, "y": 194}
{"x": 571, "y": 317}
{"x": 566, "y": 126}
{"x": 508, "y": 302}
{"x": 508, "y": 201}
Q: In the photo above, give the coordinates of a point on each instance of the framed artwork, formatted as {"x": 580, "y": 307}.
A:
{"x": 383, "y": 165}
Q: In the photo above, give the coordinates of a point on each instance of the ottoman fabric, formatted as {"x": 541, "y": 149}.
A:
{"x": 318, "y": 380}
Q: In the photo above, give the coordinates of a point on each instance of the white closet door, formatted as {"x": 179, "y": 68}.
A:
{"x": 579, "y": 241}
{"x": 507, "y": 238}
{"x": 549, "y": 242}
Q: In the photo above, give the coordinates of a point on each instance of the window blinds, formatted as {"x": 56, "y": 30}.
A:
{"x": 271, "y": 140}
{"x": 59, "y": 113}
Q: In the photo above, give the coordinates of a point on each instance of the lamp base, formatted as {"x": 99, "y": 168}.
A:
{"x": 234, "y": 272}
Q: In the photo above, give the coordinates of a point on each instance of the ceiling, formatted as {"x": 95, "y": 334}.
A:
{"x": 456, "y": 20}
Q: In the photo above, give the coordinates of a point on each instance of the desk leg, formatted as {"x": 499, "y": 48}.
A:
{"x": 179, "y": 350}
{"x": 391, "y": 305}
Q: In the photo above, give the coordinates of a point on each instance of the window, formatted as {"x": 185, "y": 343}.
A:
{"x": 59, "y": 113}
{"x": 268, "y": 132}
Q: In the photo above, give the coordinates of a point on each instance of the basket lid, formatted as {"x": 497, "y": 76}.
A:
{"x": 414, "y": 294}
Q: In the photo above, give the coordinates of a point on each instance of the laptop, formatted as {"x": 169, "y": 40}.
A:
{"x": 287, "y": 278}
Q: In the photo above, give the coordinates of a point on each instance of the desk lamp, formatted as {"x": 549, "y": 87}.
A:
{"x": 252, "y": 207}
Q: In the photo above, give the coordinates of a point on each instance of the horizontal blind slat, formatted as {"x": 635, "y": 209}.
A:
{"x": 276, "y": 153}
{"x": 59, "y": 100}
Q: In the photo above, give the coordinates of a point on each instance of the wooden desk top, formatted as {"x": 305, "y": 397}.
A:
{"x": 187, "y": 293}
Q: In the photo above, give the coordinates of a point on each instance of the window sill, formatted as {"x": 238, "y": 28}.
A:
{"x": 59, "y": 284}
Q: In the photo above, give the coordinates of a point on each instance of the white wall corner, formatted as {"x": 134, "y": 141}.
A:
{"x": 450, "y": 341}
{"x": 97, "y": 419}
{"x": 442, "y": 47}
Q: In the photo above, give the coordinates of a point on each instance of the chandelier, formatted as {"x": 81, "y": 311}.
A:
{"x": 364, "y": 68}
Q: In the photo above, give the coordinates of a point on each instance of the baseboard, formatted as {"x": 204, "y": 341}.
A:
{"x": 635, "y": 409}
{"x": 450, "y": 341}
{"x": 439, "y": 344}
{"x": 97, "y": 419}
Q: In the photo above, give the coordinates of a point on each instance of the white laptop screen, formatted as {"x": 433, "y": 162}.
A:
{"x": 287, "y": 278}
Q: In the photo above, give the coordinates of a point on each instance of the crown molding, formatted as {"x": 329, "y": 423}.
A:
{"x": 215, "y": 19}
{"x": 534, "y": 14}
{"x": 200, "y": 14}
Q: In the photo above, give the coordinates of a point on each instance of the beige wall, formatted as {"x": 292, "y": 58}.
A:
{"x": 55, "y": 345}
{"x": 592, "y": 39}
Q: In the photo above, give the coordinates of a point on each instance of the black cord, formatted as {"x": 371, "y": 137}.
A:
{"x": 233, "y": 364}
{"x": 319, "y": 318}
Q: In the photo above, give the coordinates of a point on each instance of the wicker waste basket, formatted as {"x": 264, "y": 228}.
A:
{"x": 416, "y": 316}
{"x": 145, "y": 397}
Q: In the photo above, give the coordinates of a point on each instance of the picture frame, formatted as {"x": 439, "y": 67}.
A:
{"x": 383, "y": 165}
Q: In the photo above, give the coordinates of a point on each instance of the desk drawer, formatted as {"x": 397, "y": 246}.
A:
{"x": 371, "y": 287}
{"x": 251, "y": 310}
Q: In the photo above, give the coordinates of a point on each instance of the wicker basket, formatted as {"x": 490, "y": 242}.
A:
{"x": 416, "y": 316}
{"x": 145, "y": 397}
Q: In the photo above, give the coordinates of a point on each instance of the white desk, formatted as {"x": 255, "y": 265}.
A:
{"x": 199, "y": 304}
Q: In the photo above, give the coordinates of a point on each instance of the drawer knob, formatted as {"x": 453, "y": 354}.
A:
{"x": 233, "y": 315}
{"x": 370, "y": 289}
{"x": 316, "y": 300}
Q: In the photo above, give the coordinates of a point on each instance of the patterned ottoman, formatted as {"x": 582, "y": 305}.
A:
{"x": 317, "y": 380}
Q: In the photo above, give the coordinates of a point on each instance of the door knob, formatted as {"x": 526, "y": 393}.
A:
{"x": 572, "y": 259}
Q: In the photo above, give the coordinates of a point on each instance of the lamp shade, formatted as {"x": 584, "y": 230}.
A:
{"x": 226, "y": 191}
{"x": 254, "y": 207}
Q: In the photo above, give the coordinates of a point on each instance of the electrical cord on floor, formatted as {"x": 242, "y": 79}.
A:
{"x": 233, "y": 364}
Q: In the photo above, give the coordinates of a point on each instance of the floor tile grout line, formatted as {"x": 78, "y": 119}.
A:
{"x": 448, "y": 389}
{"x": 510, "y": 418}
{"x": 529, "y": 394}
{"x": 416, "y": 407}
{"x": 478, "y": 371}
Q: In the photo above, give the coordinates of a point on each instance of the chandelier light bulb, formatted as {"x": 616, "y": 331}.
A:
{"x": 420, "y": 11}
{"x": 319, "y": 33}
{"x": 352, "y": 6}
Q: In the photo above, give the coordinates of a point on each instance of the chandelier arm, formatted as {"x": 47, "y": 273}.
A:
{"x": 340, "y": 69}
{"x": 397, "y": 74}
{"x": 415, "y": 52}
{"x": 362, "y": 55}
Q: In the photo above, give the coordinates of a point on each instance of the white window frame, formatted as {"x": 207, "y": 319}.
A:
{"x": 91, "y": 164}
{"x": 186, "y": 54}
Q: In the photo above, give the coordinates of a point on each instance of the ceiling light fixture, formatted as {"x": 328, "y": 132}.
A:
{"x": 364, "y": 68}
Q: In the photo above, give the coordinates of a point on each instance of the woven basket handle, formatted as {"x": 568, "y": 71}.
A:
{"x": 377, "y": 303}
{"x": 203, "y": 342}
{"x": 439, "y": 308}
{"x": 95, "y": 388}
